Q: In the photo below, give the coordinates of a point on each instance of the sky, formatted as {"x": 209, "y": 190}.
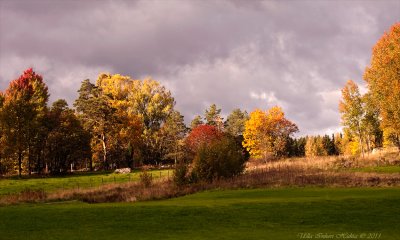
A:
{"x": 234, "y": 53}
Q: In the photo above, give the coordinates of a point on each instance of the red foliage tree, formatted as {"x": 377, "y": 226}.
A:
{"x": 23, "y": 113}
{"x": 202, "y": 134}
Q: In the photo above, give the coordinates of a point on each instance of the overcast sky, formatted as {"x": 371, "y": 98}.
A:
{"x": 247, "y": 54}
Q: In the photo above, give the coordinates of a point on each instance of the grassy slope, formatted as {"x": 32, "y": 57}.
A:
{"x": 86, "y": 180}
{"x": 236, "y": 214}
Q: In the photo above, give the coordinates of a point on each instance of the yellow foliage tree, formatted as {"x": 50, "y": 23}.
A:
{"x": 267, "y": 133}
{"x": 383, "y": 78}
{"x": 353, "y": 112}
{"x": 255, "y": 133}
{"x": 116, "y": 87}
{"x": 315, "y": 147}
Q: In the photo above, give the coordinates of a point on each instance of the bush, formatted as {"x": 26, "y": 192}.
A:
{"x": 221, "y": 158}
{"x": 146, "y": 178}
{"x": 180, "y": 174}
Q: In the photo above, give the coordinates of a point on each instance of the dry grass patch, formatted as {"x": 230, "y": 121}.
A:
{"x": 296, "y": 172}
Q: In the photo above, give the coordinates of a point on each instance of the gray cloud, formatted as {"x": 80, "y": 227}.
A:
{"x": 247, "y": 54}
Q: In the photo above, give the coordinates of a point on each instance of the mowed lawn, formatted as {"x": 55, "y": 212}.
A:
{"x": 76, "y": 180}
{"x": 283, "y": 213}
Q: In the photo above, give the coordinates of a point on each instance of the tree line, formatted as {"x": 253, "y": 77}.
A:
{"x": 123, "y": 122}
{"x": 118, "y": 121}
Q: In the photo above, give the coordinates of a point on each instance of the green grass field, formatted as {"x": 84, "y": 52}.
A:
{"x": 78, "y": 180}
{"x": 282, "y": 213}
{"x": 380, "y": 169}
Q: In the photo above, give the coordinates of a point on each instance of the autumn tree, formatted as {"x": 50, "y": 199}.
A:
{"x": 201, "y": 135}
{"x": 382, "y": 77}
{"x": 125, "y": 140}
{"x": 24, "y": 108}
{"x": 256, "y": 134}
{"x": 267, "y": 133}
{"x": 352, "y": 112}
{"x": 235, "y": 122}
{"x": 153, "y": 103}
{"x": 128, "y": 140}
{"x": 117, "y": 89}
{"x": 371, "y": 123}
{"x": 125, "y": 116}
{"x": 315, "y": 147}
{"x": 2, "y": 138}
{"x": 339, "y": 143}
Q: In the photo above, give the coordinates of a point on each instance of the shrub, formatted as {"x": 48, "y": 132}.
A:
{"x": 146, "y": 178}
{"x": 180, "y": 174}
{"x": 221, "y": 158}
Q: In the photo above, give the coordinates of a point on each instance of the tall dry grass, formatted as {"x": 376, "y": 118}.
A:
{"x": 328, "y": 163}
{"x": 162, "y": 189}
{"x": 299, "y": 172}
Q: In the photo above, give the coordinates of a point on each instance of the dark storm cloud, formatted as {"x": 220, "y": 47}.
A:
{"x": 246, "y": 54}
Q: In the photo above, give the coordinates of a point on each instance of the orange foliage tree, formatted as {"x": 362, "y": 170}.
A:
{"x": 383, "y": 78}
{"x": 267, "y": 133}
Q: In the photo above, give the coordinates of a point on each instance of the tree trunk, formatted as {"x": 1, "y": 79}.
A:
{"x": 91, "y": 164}
{"x": 398, "y": 142}
{"x": 176, "y": 151}
{"x": 19, "y": 163}
{"x": 360, "y": 140}
{"x": 103, "y": 139}
{"x": 39, "y": 163}
{"x": 29, "y": 160}
{"x": 362, "y": 148}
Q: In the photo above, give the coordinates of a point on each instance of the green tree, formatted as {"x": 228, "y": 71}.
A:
{"x": 329, "y": 144}
{"x": 68, "y": 142}
{"x": 221, "y": 158}
{"x": 173, "y": 132}
{"x": 296, "y": 147}
{"x": 213, "y": 117}
{"x": 234, "y": 124}
{"x": 97, "y": 115}
{"x": 196, "y": 122}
